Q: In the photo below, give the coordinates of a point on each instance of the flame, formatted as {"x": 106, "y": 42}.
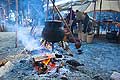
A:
{"x": 46, "y": 61}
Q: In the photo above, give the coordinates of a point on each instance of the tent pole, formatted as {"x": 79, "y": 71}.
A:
{"x": 70, "y": 21}
{"x": 4, "y": 14}
{"x": 94, "y": 14}
{"x": 98, "y": 30}
{"x": 16, "y": 42}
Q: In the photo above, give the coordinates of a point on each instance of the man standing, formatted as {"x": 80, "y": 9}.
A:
{"x": 85, "y": 23}
{"x": 79, "y": 18}
{"x": 71, "y": 18}
{"x": 12, "y": 17}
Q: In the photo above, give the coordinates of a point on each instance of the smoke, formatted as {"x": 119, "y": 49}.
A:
{"x": 28, "y": 9}
{"x": 29, "y": 41}
{"x": 33, "y": 9}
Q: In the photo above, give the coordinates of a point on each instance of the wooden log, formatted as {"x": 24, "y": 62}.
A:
{"x": 3, "y": 62}
{"x": 65, "y": 46}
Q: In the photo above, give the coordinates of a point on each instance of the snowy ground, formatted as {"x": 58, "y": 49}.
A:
{"x": 99, "y": 59}
{"x": 7, "y": 44}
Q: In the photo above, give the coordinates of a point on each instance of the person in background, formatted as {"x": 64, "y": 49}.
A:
{"x": 79, "y": 18}
{"x": 57, "y": 17}
{"x": 12, "y": 17}
{"x": 85, "y": 23}
{"x": 70, "y": 19}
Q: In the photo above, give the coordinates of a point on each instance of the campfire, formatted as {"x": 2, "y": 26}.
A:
{"x": 45, "y": 63}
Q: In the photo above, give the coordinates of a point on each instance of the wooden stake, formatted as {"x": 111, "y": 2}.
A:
{"x": 16, "y": 42}
{"x": 94, "y": 14}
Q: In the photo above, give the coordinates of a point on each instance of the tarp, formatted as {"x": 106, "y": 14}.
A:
{"x": 107, "y": 5}
{"x": 66, "y": 4}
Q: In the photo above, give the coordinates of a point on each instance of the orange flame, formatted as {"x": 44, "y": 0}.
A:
{"x": 46, "y": 61}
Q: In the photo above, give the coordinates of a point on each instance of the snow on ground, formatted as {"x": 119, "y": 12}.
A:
{"x": 100, "y": 59}
{"x": 7, "y": 44}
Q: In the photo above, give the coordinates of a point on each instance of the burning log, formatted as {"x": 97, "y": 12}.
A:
{"x": 45, "y": 57}
{"x": 40, "y": 67}
{"x": 43, "y": 64}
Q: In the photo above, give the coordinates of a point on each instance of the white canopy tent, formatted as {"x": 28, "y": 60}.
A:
{"x": 66, "y": 4}
{"x": 107, "y": 5}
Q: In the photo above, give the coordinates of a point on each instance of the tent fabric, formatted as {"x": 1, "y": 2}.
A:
{"x": 107, "y": 5}
{"x": 81, "y": 8}
{"x": 63, "y": 5}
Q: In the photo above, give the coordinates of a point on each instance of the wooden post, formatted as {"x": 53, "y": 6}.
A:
{"x": 63, "y": 20}
{"x": 71, "y": 13}
{"x": 16, "y": 42}
{"x": 94, "y": 14}
{"x": 3, "y": 18}
{"x": 4, "y": 14}
{"x": 98, "y": 30}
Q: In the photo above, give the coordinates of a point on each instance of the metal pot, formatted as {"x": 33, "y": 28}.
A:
{"x": 52, "y": 31}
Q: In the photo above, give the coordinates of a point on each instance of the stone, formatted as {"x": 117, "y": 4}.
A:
{"x": 22, "y": 61}
{"x": 74, "y": 63}
{"x": 64, "y": 78}
{"x": 115, "y": 76}
{"x": 80, "y": 51}
{"x": 98, "y": 78}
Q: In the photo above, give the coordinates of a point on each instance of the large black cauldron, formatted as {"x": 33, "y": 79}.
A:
{"x": 52, "y": 31}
